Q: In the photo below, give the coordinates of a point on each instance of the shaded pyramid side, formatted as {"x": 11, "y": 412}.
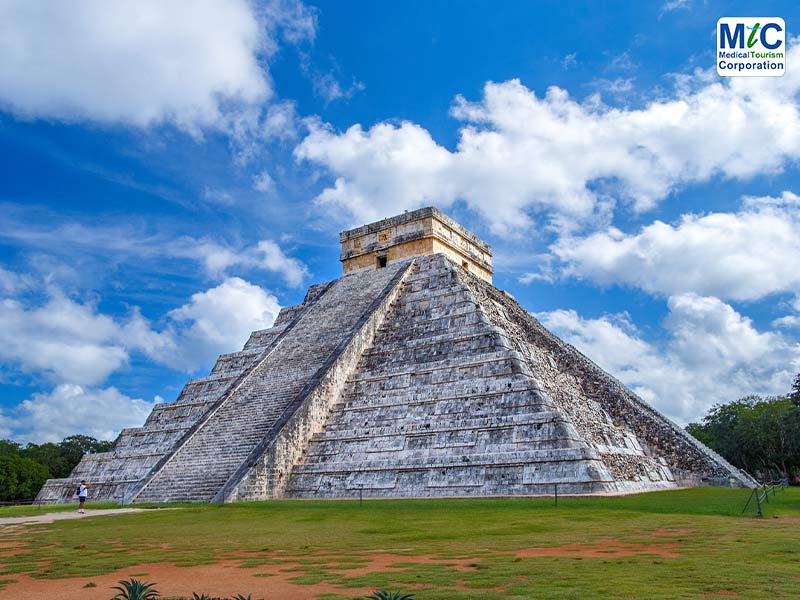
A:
{"x": 608, "y": 415}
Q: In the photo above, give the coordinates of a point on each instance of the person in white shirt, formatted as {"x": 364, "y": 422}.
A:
{"x": 83, "y": 491}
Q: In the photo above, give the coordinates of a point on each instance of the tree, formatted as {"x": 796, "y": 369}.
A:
{"x": 794, "y": 395}
{"x": 24, "y": 470}
{"x": 759, "y": 435}
{"x": 75, "y": 446}
{"x": 20, "y": 478}
{"x": 50, "y": 455}
{"x": 9, "y": 448}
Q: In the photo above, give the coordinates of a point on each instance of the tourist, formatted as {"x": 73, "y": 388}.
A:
{"x": 83, "y": 491}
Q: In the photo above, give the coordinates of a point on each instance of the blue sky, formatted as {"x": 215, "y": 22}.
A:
{"x": 174, "y": 173}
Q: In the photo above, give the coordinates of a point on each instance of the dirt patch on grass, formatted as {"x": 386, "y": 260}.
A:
{"x": 274, "y": 574}
{"x": 606, "y": 548}
{"x": 221, "y": 579}
{"x": 383, "y": 563}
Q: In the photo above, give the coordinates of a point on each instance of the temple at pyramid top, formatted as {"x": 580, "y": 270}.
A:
{"x": 417, "y": 233}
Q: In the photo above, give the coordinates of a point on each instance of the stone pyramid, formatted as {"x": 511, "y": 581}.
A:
{"x": 410, "y": 375}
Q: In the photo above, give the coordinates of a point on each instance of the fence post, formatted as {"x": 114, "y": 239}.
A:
{"x": 361, "y": 495}
{"x": 556, "y": 494}
{"x": 758, "y": 502}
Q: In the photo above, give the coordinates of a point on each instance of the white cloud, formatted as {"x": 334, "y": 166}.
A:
{"x": 745, "y": 255}
{"x": 70, "y": 239}
{"x": 280, "y": 122}
{"x": 63, "y": 339}
{"x": 622, "y": 62}
{"x": 327, "y": 87}
{"x": 11, "y": 283}
{"x": 221, "y": 319}
{"x": 618, "y": 86}
{"x": 69, "y": 342}
{"x": 265, "y": 255}
{"x": 77, "y": 348}
{"x": 296, "y": 21}
{"x": 141, "y": 62}
{"x": 671, "y": 5}
{"x": 788, "y": 321}
{"x": 71, "y": 409}
{"x": 518, "y": 152}
{"x": 713, "y": 355}
{"x": 217, "y": 196}
{"x": 263, "y": 182}
{"x": 272, "y": 258}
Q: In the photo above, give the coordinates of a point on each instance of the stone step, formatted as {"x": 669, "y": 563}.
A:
{"x": 484, "y": 365}
{"x": 442, "y": 461}
{"x": 416, "y": 423}
{"x": 419, "y": 355}
{"x": 470, "y": 395}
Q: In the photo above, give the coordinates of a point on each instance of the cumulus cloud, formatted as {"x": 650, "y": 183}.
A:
{"x": 70, "y": 408}
{"x": 745, "y": 255}
{"x": 265, "y": 255}
{"x": 519, "y": 152}
{"x": 76, "y": 347}
{"x": 141, "y": 62}
{"x": 713, "y": 354}
{"x": 71, "y": 342}
{"x": 63, "y": 339}
{"x": 221, "y": 319}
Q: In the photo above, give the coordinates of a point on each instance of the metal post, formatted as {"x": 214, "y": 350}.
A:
{"x": 361, "y": 495}
{"x": 556, "y": 494}
{"x": 758, "y": 503}
{"x": 766, "y": 495}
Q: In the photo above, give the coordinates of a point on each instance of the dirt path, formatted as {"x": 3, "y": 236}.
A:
{"x": 66, "y": 515}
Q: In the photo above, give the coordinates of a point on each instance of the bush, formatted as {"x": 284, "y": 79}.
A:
{"x": 133, "y": 589}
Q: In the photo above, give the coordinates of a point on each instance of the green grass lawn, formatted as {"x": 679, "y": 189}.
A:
{"x": 685, "y": 544}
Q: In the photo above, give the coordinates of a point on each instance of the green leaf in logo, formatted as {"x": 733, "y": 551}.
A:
{"x": 751, "y": 41}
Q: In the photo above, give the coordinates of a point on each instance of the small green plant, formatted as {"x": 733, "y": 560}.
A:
{"x": 242, "y": 597}
{"x": 133, "y": 589}
{"x": 384, "y": 595}
{"x": 195, "y": 596}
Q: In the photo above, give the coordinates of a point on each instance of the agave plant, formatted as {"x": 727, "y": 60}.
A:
{"x": 133, "y": 589}
{"x": 384, "y": 595}
{"x": 242, "y": 597}
{"x": 195, "y": 596}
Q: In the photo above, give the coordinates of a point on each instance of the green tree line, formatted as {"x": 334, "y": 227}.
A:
{"x": 759, "y": 435}
{"x": 23, "y": 470}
